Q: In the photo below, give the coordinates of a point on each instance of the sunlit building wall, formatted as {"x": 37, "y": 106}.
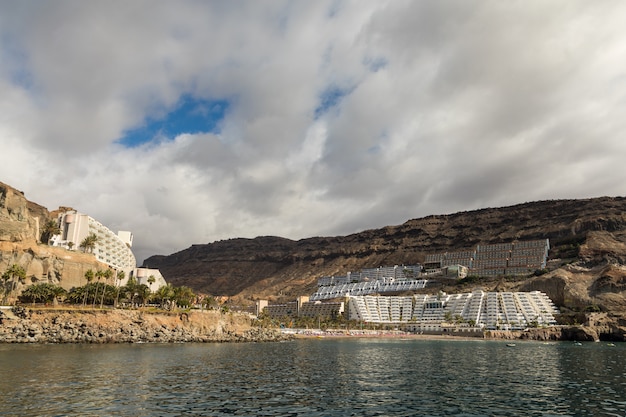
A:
{"x": 110, "y": 248}
{"x": 489, "y": 310}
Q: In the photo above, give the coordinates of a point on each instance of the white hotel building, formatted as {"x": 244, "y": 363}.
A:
{"x": 111, "y": 249}
{"x": 487, "y": 310}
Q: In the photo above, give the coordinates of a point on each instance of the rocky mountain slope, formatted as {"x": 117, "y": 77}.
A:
{"x": 269, "y": 266}
{"x": 20, "y": 230}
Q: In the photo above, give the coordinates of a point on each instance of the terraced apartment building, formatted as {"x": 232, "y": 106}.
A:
{"x": 500, "y": 259}
{"x": 478, "y": 309}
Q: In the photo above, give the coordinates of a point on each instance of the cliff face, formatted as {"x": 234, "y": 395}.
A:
{"x": 592, "y": 231}
{"x": 19, "y": 218}
{"x": 20, "y": 222}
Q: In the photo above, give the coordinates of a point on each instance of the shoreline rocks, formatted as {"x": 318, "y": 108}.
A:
{"x": 129, "y": 326}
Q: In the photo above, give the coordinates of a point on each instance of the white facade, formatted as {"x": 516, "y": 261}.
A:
{"x": 490, "y": 310}
{"x": 144, "y": 276}
{"x": 111, "y": 249}
{"x": 367, "y": 287}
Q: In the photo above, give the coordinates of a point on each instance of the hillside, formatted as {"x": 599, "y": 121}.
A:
{"x": 270, "y": 266}
{"x": 20, "y": 230}
{"x": 587, "y": 267}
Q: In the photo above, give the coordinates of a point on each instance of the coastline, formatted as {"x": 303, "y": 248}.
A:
{"x": 129, "y": 326}
{"x": 547, "y": 334}
{"x": 92, "y": 325}
{"x": 372, "y": 334}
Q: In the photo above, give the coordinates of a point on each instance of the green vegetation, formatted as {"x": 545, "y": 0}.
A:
{"x": 89, "y": 243}
{"x": 323, "y": 323}
{"x": 42, "y": 293}
{"x": 50, "y": 228}
{"x": 100, "y": 289}
{"x": 9, "y": 280}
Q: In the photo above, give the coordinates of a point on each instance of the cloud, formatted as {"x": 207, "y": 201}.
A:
{"x": 201, "y": 121}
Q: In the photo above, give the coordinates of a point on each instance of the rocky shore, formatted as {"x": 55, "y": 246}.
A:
{"x": 24, "y": 325}
{"x": 557, "y": 333}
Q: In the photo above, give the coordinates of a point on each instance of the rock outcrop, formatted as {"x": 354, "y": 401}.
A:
{"x": 20, "y": 219}
{"x": 20, "y": 222}
{"x": 23, "y": 325}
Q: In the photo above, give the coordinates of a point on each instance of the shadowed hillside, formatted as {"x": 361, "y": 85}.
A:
{"x": 273, "y": 266}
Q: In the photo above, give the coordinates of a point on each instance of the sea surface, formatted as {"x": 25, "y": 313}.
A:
{"x": 315, "y": 377}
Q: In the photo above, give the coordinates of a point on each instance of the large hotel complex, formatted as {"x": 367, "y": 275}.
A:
{"x": 112, "y": 249}
{"x": 389, "y": 295}
{"x": 358, "y": 295}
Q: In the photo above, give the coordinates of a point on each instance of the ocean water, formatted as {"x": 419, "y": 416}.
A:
{"x": 315, "y": 377}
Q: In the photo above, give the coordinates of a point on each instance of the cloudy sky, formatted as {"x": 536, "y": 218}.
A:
{"x": 195, "y": 121}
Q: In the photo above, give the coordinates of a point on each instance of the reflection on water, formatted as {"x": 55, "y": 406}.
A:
{"x": 359, "y": 377}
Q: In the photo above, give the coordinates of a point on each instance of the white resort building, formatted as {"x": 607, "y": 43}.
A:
{"x": 383, "y": 279}
{"x": 110, "y": 248}
{"x": 478, "y": 309}
{"x": 150, "y": 277}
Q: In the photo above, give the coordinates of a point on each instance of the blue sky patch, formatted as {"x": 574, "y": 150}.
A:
{"x": 191, "y": 115}
{"x": 330, "y": 98}
{"x": 375, "y": 64}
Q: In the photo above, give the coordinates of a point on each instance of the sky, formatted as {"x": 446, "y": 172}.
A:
{"x": 191, "y": 122}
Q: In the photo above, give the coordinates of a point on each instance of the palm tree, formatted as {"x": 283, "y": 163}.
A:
{"x": 89, "y": 275}
{"x": 106, "y": 275}
{"x": 142, "y": 291}
{"x": 183, "y": 296}
{"x": 164, "y": 294}
{"x": 89, "y": 243}
{"x": 50, "y": 228}
{"x": 151, "y": 280}
{"x": 42, "y": 292}
{"x": 70, "y": 245}
{"x": 5, "y": 287}
{"x": 99, "y": 274}
{"x": 120, "y": 277}
{"x": 58, "y": 292}
{"x": 13, "y": 274}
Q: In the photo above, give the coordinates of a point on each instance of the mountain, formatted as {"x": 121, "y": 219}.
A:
{"x": 587, "y": 232}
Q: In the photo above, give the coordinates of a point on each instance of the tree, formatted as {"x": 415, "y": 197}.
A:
{"x": 210, "y": 303}
{"x": 50, "y": 228}
{"x": 142, "y": 292}
{"x": 14, "y": 274}
{"x": 89, "y": 243}
{"x": 120, "y": 277}
{"x": 89, "y": 275}
{"x": 106, "y": 275}
{"x": 151, "y": 280}
{"x": 58, "y": 292}
{"x": 130, "y": 289}
{"x": 99, "y": 274}
{"x": 163, "y": 295}
{"x": 183, "y": 296}
{"x": 70, "y": 245}
{"x": 41, "y": 293}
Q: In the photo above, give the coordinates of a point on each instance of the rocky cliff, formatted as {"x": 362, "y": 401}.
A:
{"x": 20, "y": 221}
{"x": 19, "y": 218}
